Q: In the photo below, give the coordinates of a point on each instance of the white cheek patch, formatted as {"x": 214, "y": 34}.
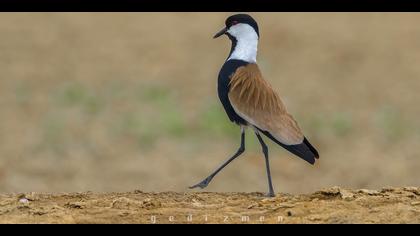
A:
{"x": 247, "y": 43}
{"x": 243, "y": 31}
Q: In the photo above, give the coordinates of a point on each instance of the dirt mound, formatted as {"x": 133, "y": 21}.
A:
{"x": 334, "y": 205}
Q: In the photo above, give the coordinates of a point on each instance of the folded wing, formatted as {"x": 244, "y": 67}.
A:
{"x": 255, "y": 101}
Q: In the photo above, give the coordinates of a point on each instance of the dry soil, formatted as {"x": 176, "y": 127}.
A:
{"x": 333, "y": 205}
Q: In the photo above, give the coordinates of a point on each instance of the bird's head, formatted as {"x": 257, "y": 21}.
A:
{"x": 239, "y": 26}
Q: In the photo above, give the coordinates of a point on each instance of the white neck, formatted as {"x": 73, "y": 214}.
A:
{"x": 247, "y": 43}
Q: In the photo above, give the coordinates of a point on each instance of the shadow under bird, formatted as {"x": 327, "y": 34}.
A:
{"x": 250, "y": 101}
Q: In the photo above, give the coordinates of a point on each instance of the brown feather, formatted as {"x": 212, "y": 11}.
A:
{"x": 254, "y": 99}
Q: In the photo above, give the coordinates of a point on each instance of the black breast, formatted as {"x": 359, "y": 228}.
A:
{"x": 228, "y": 69}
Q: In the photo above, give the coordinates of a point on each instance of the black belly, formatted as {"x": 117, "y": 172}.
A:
{"x": 228, "y": 69}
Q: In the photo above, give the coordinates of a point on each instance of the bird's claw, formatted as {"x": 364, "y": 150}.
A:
{"x": 203, "y": 184}
{"x": 270, "y": 195}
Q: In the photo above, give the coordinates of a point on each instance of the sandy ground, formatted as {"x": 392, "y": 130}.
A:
{"x": 333, "y": 205}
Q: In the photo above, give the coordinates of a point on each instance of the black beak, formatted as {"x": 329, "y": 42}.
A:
{"x": 220, "y": 33}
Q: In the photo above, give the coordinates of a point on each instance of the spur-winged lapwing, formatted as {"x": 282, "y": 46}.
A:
{"x": 250, "y": 101}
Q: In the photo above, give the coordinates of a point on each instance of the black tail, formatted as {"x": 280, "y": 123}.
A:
{"x": 304, "y": 150}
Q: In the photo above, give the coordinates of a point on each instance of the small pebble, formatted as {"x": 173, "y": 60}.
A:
{"x": 368, "y": 191}
{"x": 24, "y": 201}
{"x": 346, "y": 195}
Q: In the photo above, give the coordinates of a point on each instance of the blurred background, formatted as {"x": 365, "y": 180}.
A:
{"x": 123, "y": 101}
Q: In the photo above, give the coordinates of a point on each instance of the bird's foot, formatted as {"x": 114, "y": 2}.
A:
{"x": 203, "y": 184}
{"x": 270, "y": 195}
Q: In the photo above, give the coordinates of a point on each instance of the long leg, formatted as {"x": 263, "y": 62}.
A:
{"x": 241, "y": 149}
{"x": 267, "y": 164}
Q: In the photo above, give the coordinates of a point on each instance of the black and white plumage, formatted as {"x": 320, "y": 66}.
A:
{"x": 250, "y": 101}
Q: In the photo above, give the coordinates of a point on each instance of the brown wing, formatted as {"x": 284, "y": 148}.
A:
{"x": 255, "y": 101}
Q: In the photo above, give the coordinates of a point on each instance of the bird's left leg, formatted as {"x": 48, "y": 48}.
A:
{"x": 267, "y": 164}
{"x": 241, "y": 149}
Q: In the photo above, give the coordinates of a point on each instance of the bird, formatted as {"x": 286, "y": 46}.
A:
{"x": 250, "y": 101}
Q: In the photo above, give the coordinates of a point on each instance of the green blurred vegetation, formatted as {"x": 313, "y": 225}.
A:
{"x": 213, "y": 121}
{"x": 77, "y": 95}
{"x": 390, "y": 123}
{"x": 23, "y": 94}
{"x": 155, "y": 114}
{"x": 336, "y": 124}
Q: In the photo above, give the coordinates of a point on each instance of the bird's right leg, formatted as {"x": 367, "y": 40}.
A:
{"x": 241, "y": 149}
